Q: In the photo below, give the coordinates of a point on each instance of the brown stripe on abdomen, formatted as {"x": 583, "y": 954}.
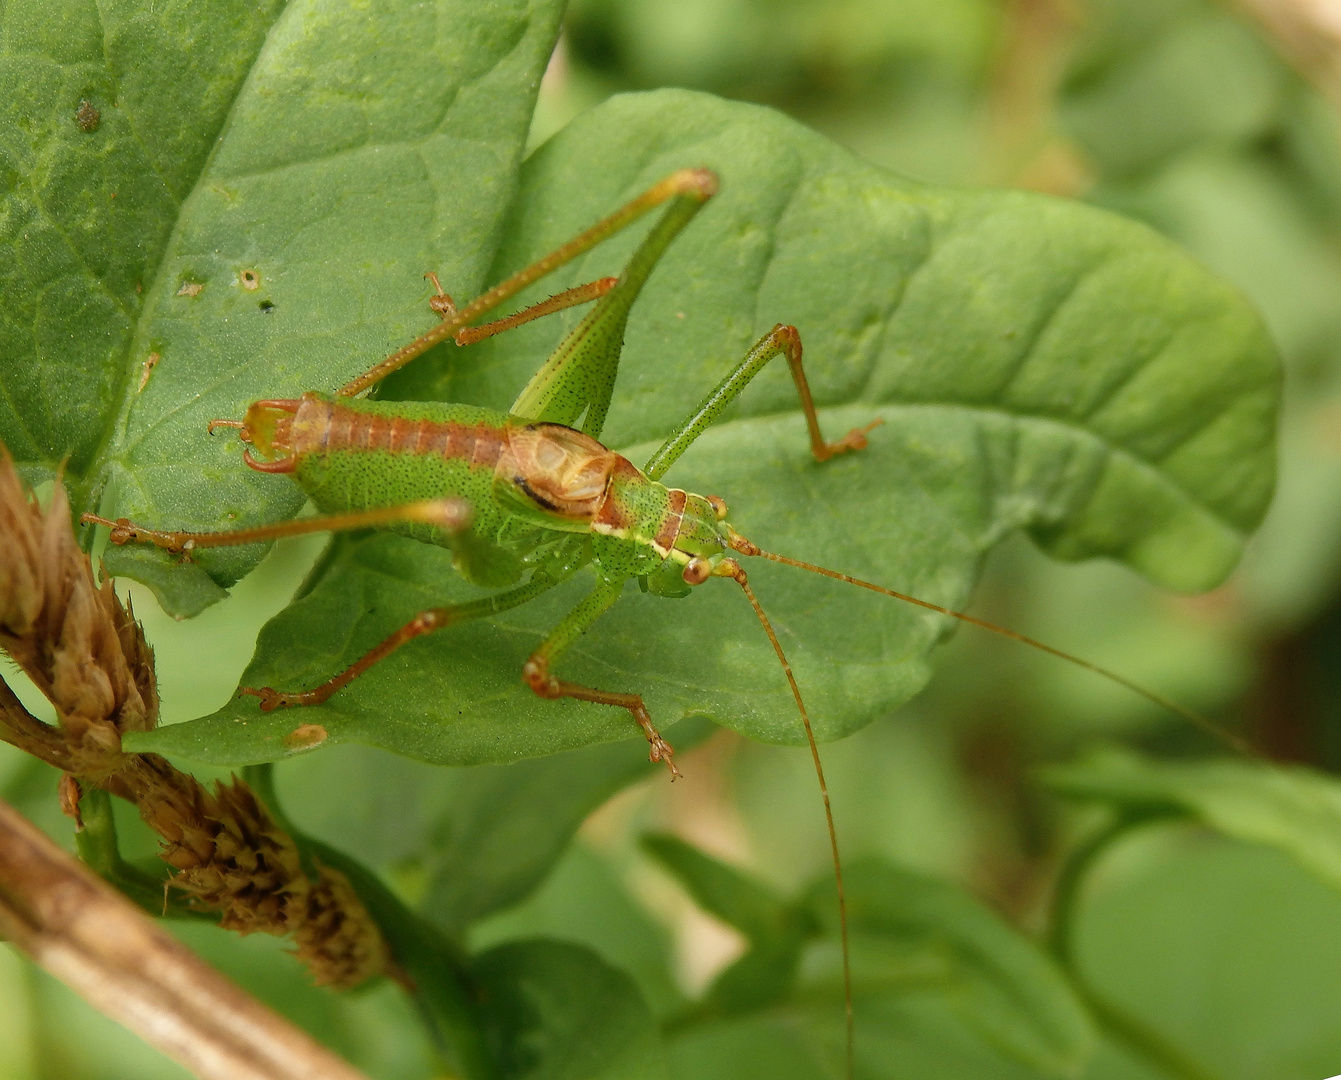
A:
{"x": 670, "y": 524}
{"x": 488, "y": 448}
{"x": 323, "y": 426}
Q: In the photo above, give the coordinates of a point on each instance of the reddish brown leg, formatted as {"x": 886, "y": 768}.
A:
{"x": 450, "y": 515}
{"x": 581, "y": 294}
{"x": 788, "y": 339}
{"x": 423, "y": 623}
{"x": 535, "y": 673}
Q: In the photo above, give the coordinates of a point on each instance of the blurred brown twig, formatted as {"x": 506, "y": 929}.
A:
{"x": 1309, "y": 33}
{"x": 90, "y": 937}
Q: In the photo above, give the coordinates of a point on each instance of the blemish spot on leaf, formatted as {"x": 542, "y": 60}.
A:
{"x": 190, "y": 288}
{"x": 151, "y": 362}
{"x": 305, "y": 736}
{"x": 87, "y": 116}
{"x": 251, "y": 280}
{"x": 267, "y": 306}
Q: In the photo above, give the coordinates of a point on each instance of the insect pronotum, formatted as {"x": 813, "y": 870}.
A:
{"x": 496, "y": 487}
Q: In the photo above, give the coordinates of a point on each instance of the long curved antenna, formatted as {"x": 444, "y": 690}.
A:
{"x": 1228, "y": 738}
{"x": 731, "y": 568}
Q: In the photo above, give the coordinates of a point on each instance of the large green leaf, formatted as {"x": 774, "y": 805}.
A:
{"x": 256, "y": 210}
{"x": 1293, "y": 809}
{"x": 1040, "y": 365}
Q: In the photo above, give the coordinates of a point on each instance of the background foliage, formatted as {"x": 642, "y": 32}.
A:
{"x": 1201, "y": 933}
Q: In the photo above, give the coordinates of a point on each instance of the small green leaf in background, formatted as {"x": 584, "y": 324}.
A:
{"x": 999, "y": 984}
{"x": 926, "y": 956}
{"x": 555, "y": 1011}
{"x": 505, "y": 826}
{"x": 1153, "y": 77}
{"x": 723, "y": 891}
{"x": 776, "y": 930}
{"x": 1229, "y": 951}
{"x": 1041, "y": 365}
{"x": 1293, "y": 809}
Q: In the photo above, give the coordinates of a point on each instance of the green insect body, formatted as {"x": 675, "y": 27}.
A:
{"x": 526, "y": 485}
{"x": 524, "y": 499}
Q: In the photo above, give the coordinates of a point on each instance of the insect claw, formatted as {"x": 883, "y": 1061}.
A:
{"x": 443, "y": 304}
{"x": 271, "y": 699}
{"x": 663, "y": 751}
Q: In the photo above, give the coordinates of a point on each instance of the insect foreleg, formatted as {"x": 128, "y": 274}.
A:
{"x": 452, "y": 516}
{"x": 535, "y": 672}
{"x": 780, "y": 341}
{"x": 423, "y": 623}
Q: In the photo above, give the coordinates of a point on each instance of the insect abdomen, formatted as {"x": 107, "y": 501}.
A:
{"x": 358, "y": 455}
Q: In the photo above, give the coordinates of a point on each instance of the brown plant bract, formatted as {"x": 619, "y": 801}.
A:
{"x": 88, "y": 655}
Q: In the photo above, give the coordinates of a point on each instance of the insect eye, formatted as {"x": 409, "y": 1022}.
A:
{"x": 697, "y": 571}
{"x": 718, "y": 507}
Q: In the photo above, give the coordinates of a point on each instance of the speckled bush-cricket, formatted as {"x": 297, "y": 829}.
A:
{"x": 525, "y": 499}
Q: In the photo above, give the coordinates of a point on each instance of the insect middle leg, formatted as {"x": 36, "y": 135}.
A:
{"x": 536, "y": 673}
{"x": 780, "y": 341}
{"x": 423, "y": 623}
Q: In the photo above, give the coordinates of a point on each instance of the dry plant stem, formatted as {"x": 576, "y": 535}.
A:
{"x": 1308, "y": 32}
{"x": 1025, "y": 147}
{"x": 95, "y": 941}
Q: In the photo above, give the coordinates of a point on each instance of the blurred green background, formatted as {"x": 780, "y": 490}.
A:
{"x": 1182, "y": 113}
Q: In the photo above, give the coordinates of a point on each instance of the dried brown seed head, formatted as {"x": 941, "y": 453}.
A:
{"x": 76, "y": 641}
